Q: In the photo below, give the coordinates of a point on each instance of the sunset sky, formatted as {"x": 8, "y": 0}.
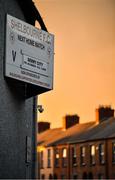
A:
{"x": 84, "y": 62}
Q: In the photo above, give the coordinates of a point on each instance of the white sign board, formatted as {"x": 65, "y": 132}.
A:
{"x": 29, "y": 53}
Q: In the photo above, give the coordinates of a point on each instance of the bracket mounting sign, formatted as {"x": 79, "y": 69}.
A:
{"x": 29, "y": 53}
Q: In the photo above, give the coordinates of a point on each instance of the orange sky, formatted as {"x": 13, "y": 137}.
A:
{"x": 84, "y": 61}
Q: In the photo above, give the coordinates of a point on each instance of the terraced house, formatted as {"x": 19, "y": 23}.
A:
{"x": 79, "y": 151}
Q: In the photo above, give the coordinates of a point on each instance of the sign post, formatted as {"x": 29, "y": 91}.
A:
{"x": 29, "y": 53}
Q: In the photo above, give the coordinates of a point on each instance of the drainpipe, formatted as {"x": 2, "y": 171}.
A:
{"x": 69, "y": 162}
{"x": 106, "y": 160}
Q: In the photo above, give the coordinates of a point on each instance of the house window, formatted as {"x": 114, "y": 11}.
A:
{"x": 74, "y": 156}
{"x": 49, "y": 158}
{"x": 90, "y": 175}
{"x": 41, "y": 160}
{"x": 55, "y": 176}
{"x": 100, "y": 176}
{"x": 92, "y": 154}
{"x": 63, "y": 176}
{"x": 50, "y": 176}
{"x": 75, "y": 176}
{"x": 85, "y": 176}
{"x": 56, "y": 157}
{"x": 101, "y": 153}
{"x": 82, "y": 152}
{"x": 42, "y": 176}
{"x": 64, "y": 157}
{"x": 113, "y": 153}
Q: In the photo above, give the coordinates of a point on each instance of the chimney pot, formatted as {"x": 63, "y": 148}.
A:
{"x": 43, "y": 126}
{"x": 70, "y": 120}
{"x": 103, "y": 113}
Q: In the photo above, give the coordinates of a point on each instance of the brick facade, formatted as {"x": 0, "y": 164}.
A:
{"x": 83, "y": 151}
{"x": 104, "y": 169}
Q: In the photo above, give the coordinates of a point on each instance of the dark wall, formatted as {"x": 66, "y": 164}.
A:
{"x": 17, "y": 114}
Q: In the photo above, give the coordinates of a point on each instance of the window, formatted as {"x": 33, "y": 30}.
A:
{"x": 63, "y": 176}
{"x": 75, "y": 176}
{"x": 56, "y": 157}
{"x": 64, "y": 157}
{"x": 41, "y": 159}
{"x": 74, "y": 156}
{"x": 50, "y": 176}
{"x": 42, "y": 176}
{"x": 82, "y": 152}
{"x": 90, "y": 175}
{"x": 92, "y": 154}
{"x": 101, "y": 154}
{"x": 113, "y": 152}
{"x": 55, "y": 176}
{"x": 100, "y": 176}
{"x": 84, "y": 176}
{"x": 49, "y": 158}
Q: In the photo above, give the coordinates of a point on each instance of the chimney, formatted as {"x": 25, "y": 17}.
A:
{"x": 103, "y": 113}
{"x": 70, "y": 120}
{"x": 43, "y": 126}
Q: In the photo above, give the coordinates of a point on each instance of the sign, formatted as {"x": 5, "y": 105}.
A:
{"x": 28, "y": 149}
{"x": 29, "y": 53}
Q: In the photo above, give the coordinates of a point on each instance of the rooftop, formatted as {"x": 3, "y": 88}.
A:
{"x": 78, "y": 133}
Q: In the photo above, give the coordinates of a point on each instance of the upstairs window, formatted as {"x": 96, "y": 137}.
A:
{"x": 74, "y": 156}
{"x": 101, "y": 153}
{"x": 113, "y": 153}
{"x": 64, "y": 157}
{"x": 92, "y": 155}
{"x": 82, "y": 155}
{"x": 56, "y": 157}
{"x": 49, "y": 158}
